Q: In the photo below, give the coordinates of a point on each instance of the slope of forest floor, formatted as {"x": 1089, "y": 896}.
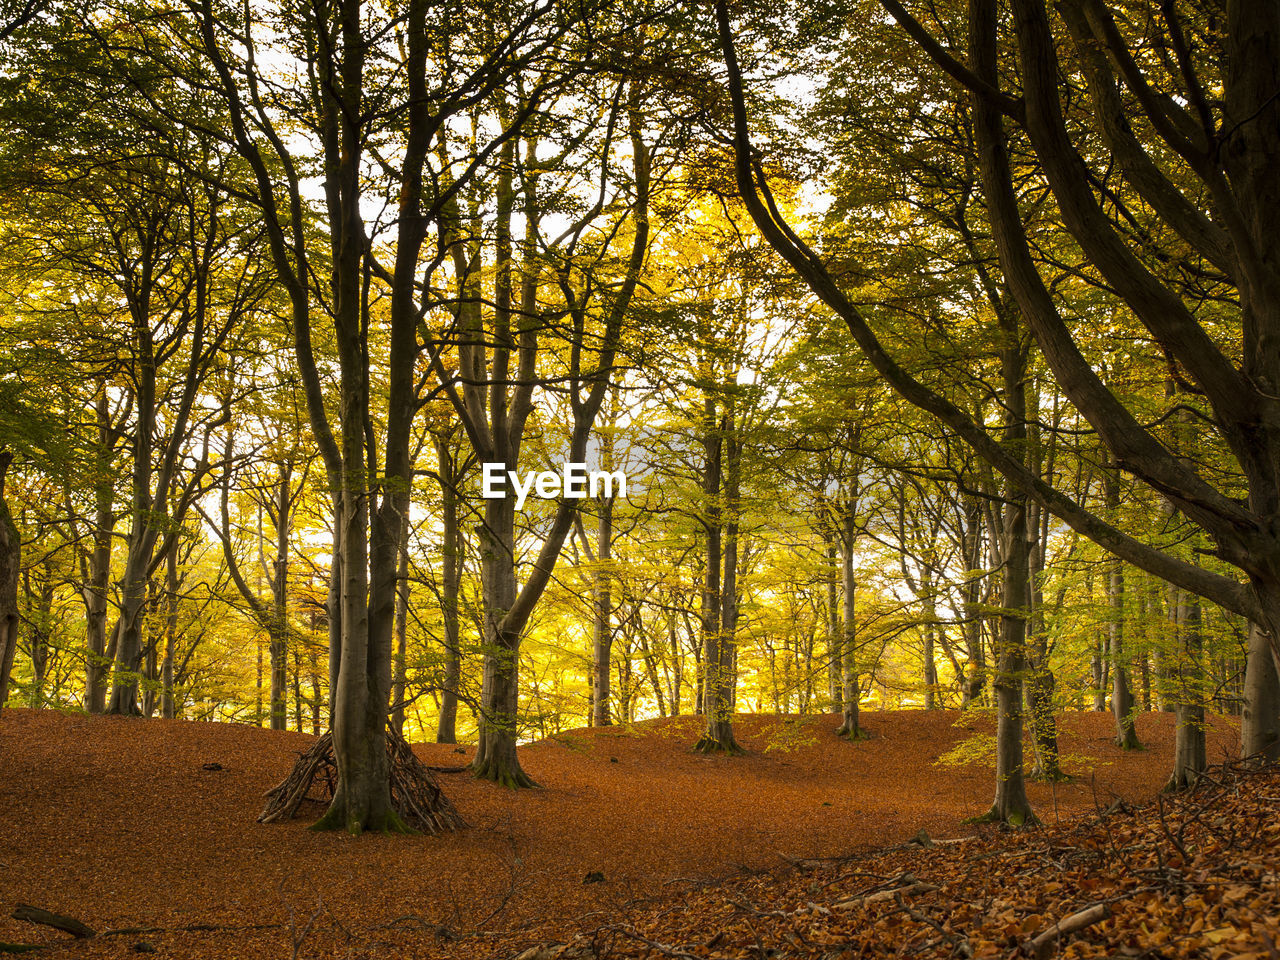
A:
{"x": 119, "y": 824}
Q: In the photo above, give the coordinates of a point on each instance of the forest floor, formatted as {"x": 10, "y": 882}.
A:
{"x": 117, "y": 823}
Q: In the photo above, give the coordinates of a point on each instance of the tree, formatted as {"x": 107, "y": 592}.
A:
{"x": 10, "y": 562}
{"x": 450, "y": 472}
{"x": 504, "y": 357}
{"x": 345, "y": 113}
{"x": 1238, "y": 531}
{"x": 602, "y": 592}
{"x": 274, "y": 491}
{"x": 35, "y": 435}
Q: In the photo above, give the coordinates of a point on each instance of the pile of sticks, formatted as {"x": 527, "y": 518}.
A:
{"x": 415, "y": 795}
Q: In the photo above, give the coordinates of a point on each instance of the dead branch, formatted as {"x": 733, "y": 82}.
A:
{"x": 662, "y": 948}
{"x": 24, "y": 911}
{"x": 883, "y": 895}
{"x": 415, "y": 794}
{"x": 1043, "y": 943}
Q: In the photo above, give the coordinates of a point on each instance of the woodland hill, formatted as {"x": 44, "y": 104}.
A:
{"x": 630, "y": 831}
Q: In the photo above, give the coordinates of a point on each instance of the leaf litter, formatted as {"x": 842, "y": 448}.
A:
{"x": 634, "y": 846}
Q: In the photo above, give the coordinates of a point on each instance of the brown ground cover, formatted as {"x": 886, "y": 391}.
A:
{"x": 117, "y": 823}
{"x": 1190, "y": 876}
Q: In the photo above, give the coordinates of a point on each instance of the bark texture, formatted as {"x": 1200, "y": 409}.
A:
{"x": 10, "y": 557}
{"x": 850, "y": 727}
{"x": 1190, "y": 757}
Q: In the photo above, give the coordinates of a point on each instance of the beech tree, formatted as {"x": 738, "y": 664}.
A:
{"x": 503, "y": 358}
{"x": 10, "y": 562}
{"x": 348, "y": 115}
{"x": 1232, "y": 387}
{"x": 274, "y": 492}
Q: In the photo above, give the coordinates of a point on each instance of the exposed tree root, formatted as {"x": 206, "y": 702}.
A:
{"x": 854, "y": 735}
{"x": 710, "y": 745}
{"x": 340, "y": 817}
{"x": 509, "y": 775}
{"x": 416, "y": 798}
{"x": 1015, "y": 818}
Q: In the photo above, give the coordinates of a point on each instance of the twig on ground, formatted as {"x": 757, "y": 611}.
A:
{"x": 297, "y": 938}
{"x": 46, "y": 918}
{"x": 1042, "y": 944}
{"x": 662, "y": 948}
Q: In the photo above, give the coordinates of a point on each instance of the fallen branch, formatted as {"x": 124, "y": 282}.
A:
{"x": 883, "y": 895}
{"x": 662, "y": 948}
{"x": 1044, "y": 942}
{"x": 541, "y": 951}
{"x": 24, "y": 911}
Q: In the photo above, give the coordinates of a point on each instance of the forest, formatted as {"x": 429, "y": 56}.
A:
{"x": 870, "y": 382}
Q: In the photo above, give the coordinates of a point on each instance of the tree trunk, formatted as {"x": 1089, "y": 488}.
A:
{"x": 128, "y": 660}
{"x": 851, "y": 694}
{"x": 930, "y": 667}
{"x": 333, "y": 608}
{"x": 727, "y": 671}
{"x": 362, "y": 797}
{"x": 1098, "y": 672}
{"x": 150, "y": 648}
{"x": 500, "y": 691}
{"x": 10, "y": 557}
{"x": 973, "y": 687}
{"x": 167, "y": 709}
{"x": 451, "y": 560}
{"x": 280, "y": 598}
{"x": 700, "y": 674}
{"x": 677, "y": 661}
{"x": 400, "y": 664}
{"x": 834, "y": 631}
{"x": 99, "y": 568}
{"x": 1260, "y": 725}
{"x": 41, "y": 624}
{"x": 602, "y": 627}
{"x": 1190, "y": 756}
{"x": 1122, "y": 705}
{"x": 370, "y": 531}
{"x": 1040, "y": 681}
{"x": 650, "y": 666}
{"x": 1011, "y": 804}
{"x": 297, "y": 690}
{"x": 718, "y": 734}
{"x": 259, "y": 714}
{"x": 133, "y": 584}
{"x": 317, "y": 697}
